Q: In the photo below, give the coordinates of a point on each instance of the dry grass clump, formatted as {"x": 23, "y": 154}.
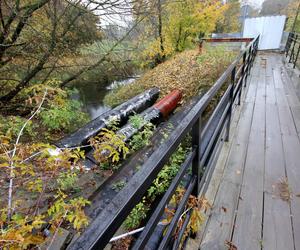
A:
{"x": 187, "y": 71}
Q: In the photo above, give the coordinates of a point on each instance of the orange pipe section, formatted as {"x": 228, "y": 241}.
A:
{"x": 169, "y": 102}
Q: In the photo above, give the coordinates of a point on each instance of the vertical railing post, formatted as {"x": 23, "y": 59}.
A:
{"x": 230, "y": 103}
{"x": 297, "y": 55}
{"x": 243, "y": 69}
{"x": 243, "y": 81}
{"x": 196, "y": 165}
{"x": 287, "y": 46}
{"x": 247, "y": 64}
{"x": 249, "y": 61}
{"x": 292, "y": 51}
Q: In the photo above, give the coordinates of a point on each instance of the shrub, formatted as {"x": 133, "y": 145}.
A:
{"x": 11, "y": 126}
{"x": 66, "y": 117}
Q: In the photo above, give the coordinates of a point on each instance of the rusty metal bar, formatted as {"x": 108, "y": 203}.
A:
{"x": 227, "y": 40}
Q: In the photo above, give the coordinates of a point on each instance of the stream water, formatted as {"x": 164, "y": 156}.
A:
{"x": 92, "y": 95}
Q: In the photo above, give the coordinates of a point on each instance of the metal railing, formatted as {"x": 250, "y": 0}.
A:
{"x": 204, "y": 144}
{"x": 292, "y": 48}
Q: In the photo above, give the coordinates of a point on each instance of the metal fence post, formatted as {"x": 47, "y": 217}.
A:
{"x": 196, "y": 143}
{"x": 243, "y": 69}
{"x": 297, "y": 55}
{"x": 288, "y": 44}
{"x": 249, "y": 61}
{"x": 293, "y": 48}
{"x": 231, "y": 103}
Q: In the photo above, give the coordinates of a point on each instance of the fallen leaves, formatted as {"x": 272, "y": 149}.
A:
{"x": 224, "y": 209}
{"x": 284, "y": 190}
{"x": 230, "y": 245}
{"x": 186, "y": 71}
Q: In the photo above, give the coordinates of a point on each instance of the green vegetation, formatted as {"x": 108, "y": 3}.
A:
{"x": 11, "y": 126}
{"x": 158, "y": 187}
{"x": 58, "y": 115}
{"x": 118, "y": 185}
{"x": 67, "y": 180}
{"x": 137, "y": 215}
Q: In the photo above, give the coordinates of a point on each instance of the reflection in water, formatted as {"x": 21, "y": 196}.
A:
{"x": 92, "y": 95}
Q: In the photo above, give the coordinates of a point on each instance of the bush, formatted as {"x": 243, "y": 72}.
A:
{"x": 11, "y": 126}
{"x": 66, "y": 117}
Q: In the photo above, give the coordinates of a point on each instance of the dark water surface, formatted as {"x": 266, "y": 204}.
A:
{"x": 92, "y": 95}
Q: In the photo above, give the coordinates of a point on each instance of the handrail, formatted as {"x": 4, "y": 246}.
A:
{"x": 204, "y": 142}
{"x": 291, "y": 50}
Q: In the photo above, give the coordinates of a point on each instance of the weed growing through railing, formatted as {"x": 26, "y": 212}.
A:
{"x": 158, "y": 187}
{"x": 137, "y": 215}
{"x": 142, "y": 138}
{"x": 117, "y": 186}
{"x": 196, "y": 206}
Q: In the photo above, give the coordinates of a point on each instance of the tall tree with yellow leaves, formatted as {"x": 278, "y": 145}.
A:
{"x": 181, "y": 23}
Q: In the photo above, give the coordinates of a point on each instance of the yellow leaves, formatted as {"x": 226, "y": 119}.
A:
{"x": 78, "y": 219}
{"x": 109, "y": 146}
{"x": 71, "y": 211}
{"x": 196, "y": 206}
{"x": 22, "y": 231}
{"x": 153, "y": 49}
{"x": 5, "y": 140}
{"x": 35, "y": 185}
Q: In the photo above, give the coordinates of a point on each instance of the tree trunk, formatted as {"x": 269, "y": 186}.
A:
{"x": 160, "y": 35}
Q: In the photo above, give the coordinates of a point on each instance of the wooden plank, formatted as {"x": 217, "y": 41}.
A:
{"x": 280, "y": 98}
{"x": 296, "y": 116}
{"x": 291, "y": 147}
{"x": 290, "y": 91}
{"x": 277, "y": 233}
{"x": 270, "y": 91}
{"x": 249, "y": 211}
{"x": 261, "y": 87}
{"x": 269, "y": 65}
{"x": 220, "y": 223}
{"x": 252, "y": 82}
{"x": 277, "y": 227}
{"x": 277, "y": 78}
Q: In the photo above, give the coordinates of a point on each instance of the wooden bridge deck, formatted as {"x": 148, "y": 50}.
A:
{"x": 255, "y": 190}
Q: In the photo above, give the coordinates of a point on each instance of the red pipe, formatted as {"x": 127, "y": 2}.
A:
{"x": 169, "y": 102}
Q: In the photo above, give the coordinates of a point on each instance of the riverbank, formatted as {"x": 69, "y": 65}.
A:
{"x": 187, "y": 71}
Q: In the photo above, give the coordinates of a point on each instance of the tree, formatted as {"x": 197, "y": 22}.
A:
{"x": 274, "y": 7}
{"x": 230, "y": 21}
{"x": 34, "y": 35}
{"x": 179, "y": 24}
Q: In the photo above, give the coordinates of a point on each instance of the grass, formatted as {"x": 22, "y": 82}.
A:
{"x": 187, "y": 71}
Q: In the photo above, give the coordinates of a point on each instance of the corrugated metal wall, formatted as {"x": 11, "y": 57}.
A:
{"x": 270, "y": 29}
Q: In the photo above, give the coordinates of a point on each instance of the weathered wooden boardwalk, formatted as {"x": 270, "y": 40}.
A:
{"x": 255, "y": 190}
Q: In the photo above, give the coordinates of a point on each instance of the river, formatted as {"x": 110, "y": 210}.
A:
{"x": 92, "y": 95}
